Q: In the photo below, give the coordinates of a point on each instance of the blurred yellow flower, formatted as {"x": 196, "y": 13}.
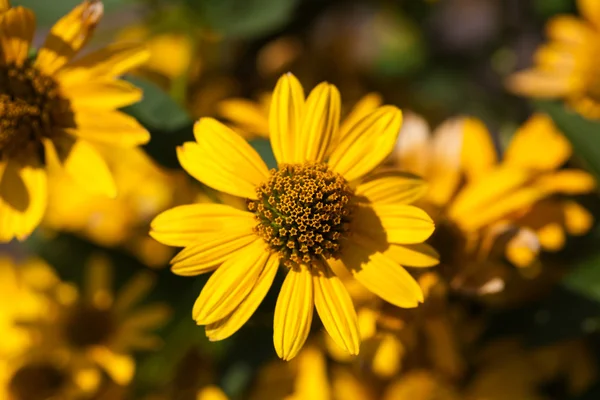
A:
{"x": 123, "y": 220}
{"x": 566, "y": 67}
{"x": 54, "y": 111}
{"x": 319, "y": 207}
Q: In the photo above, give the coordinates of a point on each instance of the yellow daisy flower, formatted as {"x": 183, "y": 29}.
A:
{"x": 56, "y": 110}
{"x": 565, "y": 67}
{"x": 319, "y": 206}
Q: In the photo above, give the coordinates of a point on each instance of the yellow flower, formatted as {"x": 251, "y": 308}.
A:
{"x": 99, "y": 330}
{"x": 319, "y": 207}
{"x": 56, "y": 110}
{"x": 121, "y": 221}
{"x": 566, "y": 67}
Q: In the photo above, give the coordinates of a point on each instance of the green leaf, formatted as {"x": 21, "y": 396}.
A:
{"x": 48, "y": 12}
{"x": 583, "y": 134}
{"x": 244, "y": 19}
{"x": 585, "y": 279}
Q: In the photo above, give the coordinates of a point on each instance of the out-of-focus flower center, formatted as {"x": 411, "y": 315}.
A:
{"x": 303, "y": 211}
{"x": 88, "y": 326}
{"x": 30, "y": 106}
{"x": 36, "y": 381}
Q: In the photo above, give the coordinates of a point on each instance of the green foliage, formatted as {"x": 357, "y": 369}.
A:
{"x": 47, "y": 12}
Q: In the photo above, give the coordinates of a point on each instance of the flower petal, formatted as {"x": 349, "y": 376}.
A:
{"x": 206, "y": 256}
{"x": 381, "y": 275}
{"x": 567, "y": 181}
{"x": 285, "y": 118}
{"x": 107, "y": 94}
{"x": 118, "y": 366}
{"x": 412, "y": 149}
{"x": 247, "y": 115}
{"x": 393, "y": 223}
{"x": 82, "y": 162}
{"x": 293, "y": 312}
{"x": 541, "y": 84}
{"x": 68, "y": 36}
{"x": 335, "y": 309}
{"x": 113, "y": 128}
{"x": 230, "y": 283}
{"x": 23, "y": 197}
{"x": 227, "y": 326}
{"x": 17, "y": 27}
{"x": 319, "y": 123}
{"x": 478, "y": 151}
{"x": 369, "y": 142}
{"x": 591, "y": 10}
{"x": 223, "y": 160}
{"x": 188, "y": 225}
{"x": 413, "y": 255}
{"x": 392, "y": 187}
{"x": 363, "y": 107}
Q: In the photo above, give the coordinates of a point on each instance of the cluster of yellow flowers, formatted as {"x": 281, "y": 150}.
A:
{"x": 369, "y": 216}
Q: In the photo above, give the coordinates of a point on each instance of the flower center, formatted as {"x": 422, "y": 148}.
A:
{"x": 30, "y": 106}
{"x": 88, "y": 326}
{"x": 303, "y": 211}
{"x": 36, "y": 381}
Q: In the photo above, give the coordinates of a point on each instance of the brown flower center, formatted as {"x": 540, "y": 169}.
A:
{"x": 37, "y": 381}
{"x": 88, "y": 326}
{"x": 31, "y": 107}
{"x": 303, "y": 211}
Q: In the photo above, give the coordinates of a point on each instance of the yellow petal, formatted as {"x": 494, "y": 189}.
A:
{"x": 230, "y": 283}
{"x": 206, "y": 256}
{"x": 523, "y": 150}
{"x": 223, "y": 160}
{"x": 539, "y": 84}
{"x": 478, "y": 151}
{"x": 247, "y": 115}
{"x": 567, "y": 181}
{"x": 551, "y": 236}
{"x": 363, "y": 107}
{"x": 82, "y": 162}
{"x": 480, "y": 194}
{"x": 319, "y": 123}
{"x": 185, "y": 225}
{"x": 522, "y": 249}
{"x": 578, "y": 220}
{"x": 388, "y": 356}
{"x": 68, "y": 36}
{"x": 335, "y": 309}
{"x": 227, "y": 326}
{"x": 311, "y": 381}
{"x": 23, "y": 197}
{"x": 392, "y": 187}
{"x": 393, "y": 223}
{"x": 211, "y": 393}
{"x": 111, "y": 61}
{"x": 293, "y": 312}
{"x": 285, "y": 118}
{"x": 413, "y": 147}
{"x": 119, "y": 367}
{"x": 17, "y": 27}
{"x": 381, "y": 275}
{"x": 590, "y": 9}
{"x": 369, "y": 142}
{"x": 413, "y": 255}
{"x": 113, "y": 128}
{"x": 445, "y": 165}
{"x": 4, "y": 5}
{"x": 107, "y": 94}
{"x": 569, "y": 30}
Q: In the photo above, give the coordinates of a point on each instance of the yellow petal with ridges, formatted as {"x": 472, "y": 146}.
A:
{"x": 113, "y": 128}
{"x": 363, "y": 107}
{"x": 206, "y": 256}
{"x": 285, "y": 118}
{"x": 419, "y": 255}
{"x": 17, "y": 27}
{"x": 293, "y": 312}
{"x": 107, "y": 94}
{"x": 392, "y": 187}
{"x": 335, "y": 309}
{"x": 83, "y": 163}
{"x": 229, "y": 325}
{"x": 367, "y": 144}
{"x": 380, "y": 274}
{"x": 248, "y": 115}
{"x": 319, "y": 124}
{"x": 111, "y": 61}
{"x": 393, "y": 223}
{"x": 230, "y": 283}
{"x": 185, "y": 225}
{"x": 68, "y": 36}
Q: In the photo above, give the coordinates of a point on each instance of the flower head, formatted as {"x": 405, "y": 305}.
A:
{"x": 56, "y": 111}
{"x": 565, "y": 67}
{"x": 317, "y": 209}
